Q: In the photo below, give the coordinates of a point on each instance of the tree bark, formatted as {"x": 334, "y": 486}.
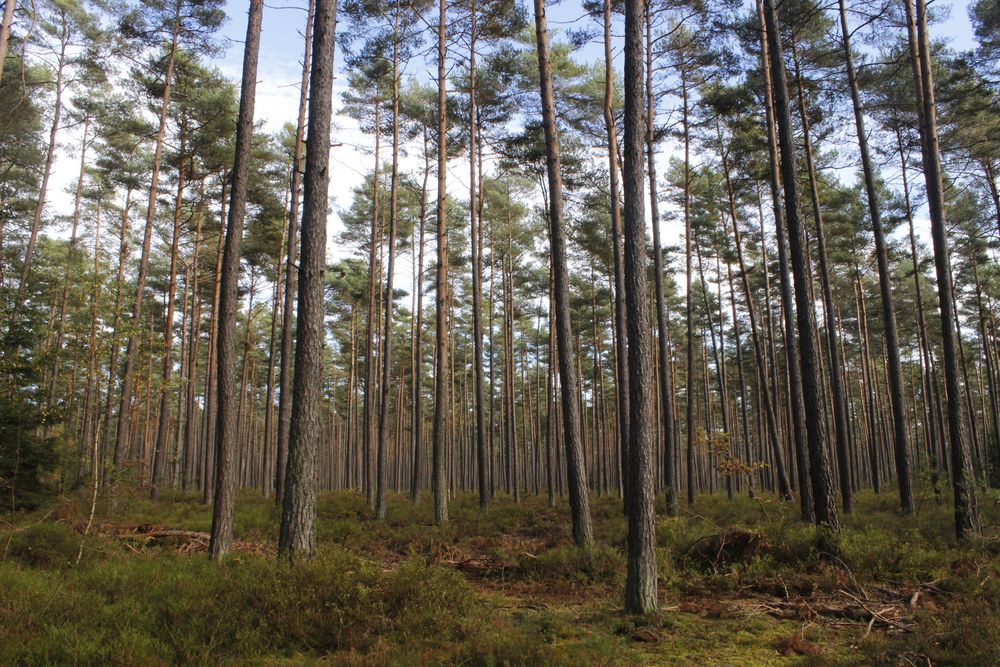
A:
{"x": 297, "y": 536}
{"x": 824, "y": 505}
{"x": 227, "y": 426}
{"x": 440, "y": 427}
{"x": 568, "y": 379}
{"x": 966, "y": 508}
{"x": 640, "y": 581}
{"x": 291, "y": 272}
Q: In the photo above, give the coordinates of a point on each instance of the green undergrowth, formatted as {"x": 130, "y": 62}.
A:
{"x": 499, "y": 586}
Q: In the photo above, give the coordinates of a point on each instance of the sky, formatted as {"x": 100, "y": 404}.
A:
{"x": 279, "y": 73}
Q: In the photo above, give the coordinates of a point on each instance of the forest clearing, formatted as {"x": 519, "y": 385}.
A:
{"x": 490, "y": 332}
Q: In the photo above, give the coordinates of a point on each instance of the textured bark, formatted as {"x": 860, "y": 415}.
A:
{"x": 900, "y": 445}
{"x": 440, "y": 429}
{"x": 621, "y": 314}
{"x": 382, "y": 461}
{"x": 477, "y": 279}
{"x": 297, "y": 536}
{"x": 417, "y": 344}
{"x": 640, "y": 581}
{"x": 666, "y": 392}
{"x": 163, "y": 425}
{"x": 291, "y": 272}
{"x": 795, "y": 397}
{"x": 8, "y": 18}
{"x": 568, "y": 378}
{"x": 833, "y": 347}
{"x": 227, "y": 426}
{"x": 966, "y": 509}
{"x": 824, "y": 505}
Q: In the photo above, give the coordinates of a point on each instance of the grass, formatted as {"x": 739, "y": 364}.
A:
{"x": 742, "y": 582}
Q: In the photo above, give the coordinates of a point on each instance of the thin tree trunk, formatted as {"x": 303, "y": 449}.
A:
{"x": 900, "y": 445}
{"x": 440, "y": 428}
{"x": 824, "y": 505}
{"x": 131, "y": 347}
{"x": 291, "y": 271}
{"x": 569, "y": 382}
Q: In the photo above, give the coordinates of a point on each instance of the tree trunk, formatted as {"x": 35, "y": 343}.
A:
{"x": 795, "y": 393}
{"x": 131, "y": 347}
{"x": 966, "y": 508}
{"x": 836, "y": 367}
{"x": 900, "y": 445}
{"x": 291, "y": 272}
{"x": 568, "y": 380}
{"x": 824, "y": 505}
{"x": 477, "y": 279}
{"x": 297, "y": 536}
{"x": 439, "y": 437}
{"x": 227, "y": 426}
{"x": 383, "y": 414}
{"x": 640, "y": 581}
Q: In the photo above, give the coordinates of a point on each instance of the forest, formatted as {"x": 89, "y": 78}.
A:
{"x": 613, "y": 332}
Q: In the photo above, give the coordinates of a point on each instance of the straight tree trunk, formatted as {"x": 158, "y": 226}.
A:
{"x": 227, "y": 425}
{"x": 297, "y": 536}
{"x": 795, "y": 392}
{"x": 568, "y": 379}
{"x": 440, "y": 428}
{"x": 291, "y": 272}
{"x": 824, "y": 505}
{"x": 833, "y": 348}
{"x": 662, "y": 368}
{"x": 163, "y": 427}
{"x": 621, "y": 314}
{"x": 640, "y": 581}
{"x": 477, "y": 278}
{"x": 966, "y": 508}
{"x": 131, "y": 347}
{"x": 383, "y": 414}
{"x": 900, "y": 445}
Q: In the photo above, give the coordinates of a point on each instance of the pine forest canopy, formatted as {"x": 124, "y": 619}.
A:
{"x": 644, "y": 249}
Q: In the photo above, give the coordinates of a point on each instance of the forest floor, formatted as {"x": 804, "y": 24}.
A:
{"x": 742, "y": 582}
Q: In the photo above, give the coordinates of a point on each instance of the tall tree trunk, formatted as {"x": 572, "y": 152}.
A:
{"x": 824, "y": 505}
{"x": 621, "y": 314}
{"x": 297, "y": 536}
{"x": 662, "y": 368}
{"x": 291, "y": 271}
{"x": 568, "y": 380}
{"x": 477, "y": 278}
{"x": 966, "y": 508}
{"x": 640, "y": 581}
{"x": 163, "y": 428}
{"x": 833, "y": 347}
{"x": 417, "y": 349}
{"x": 439, "y": 437}
{"x": 900, "y": 445}
{"x": 383, "y": 414}
{"x": 795, "y": 393}
{"x": 227, "y": 426}
{"x": 131, "y": 347}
